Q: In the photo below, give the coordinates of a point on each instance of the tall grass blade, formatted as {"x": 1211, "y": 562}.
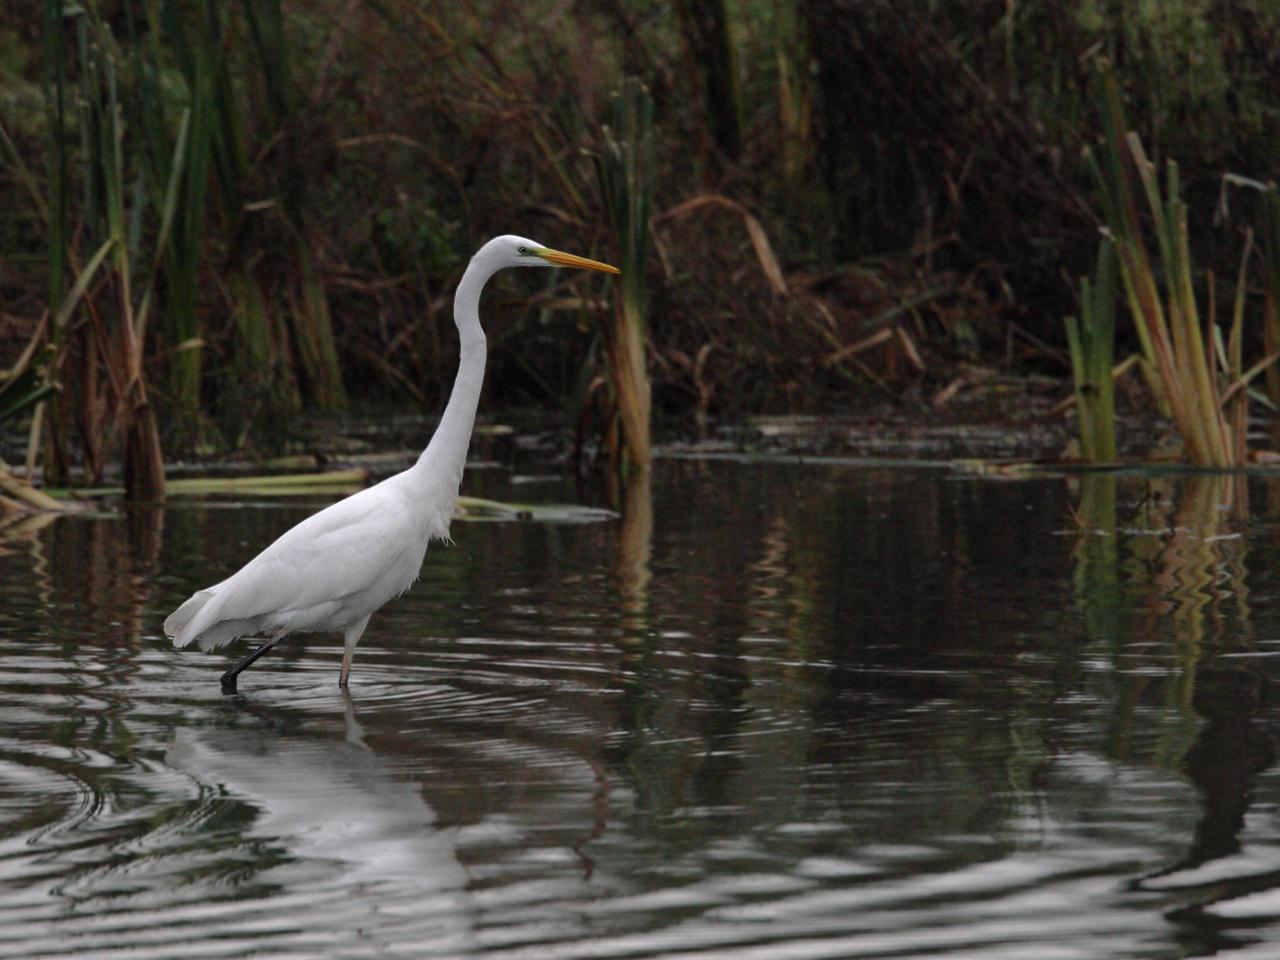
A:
{"x": 1271, "y": 275}
{"x": 110, "y": 387}
{"x": 1162, "y": 305}
{"x": 1237, "y": 407}
{"x": 624, "y": 168}
{"x": 313, "y": 332}
{"x": 705, "y": 24}
{"x": 1092, "y": 347}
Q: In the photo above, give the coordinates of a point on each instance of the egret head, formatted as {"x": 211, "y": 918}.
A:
{"x": 512, "y": 251}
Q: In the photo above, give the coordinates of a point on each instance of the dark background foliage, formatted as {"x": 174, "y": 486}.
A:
{"x": 910, "y": 167}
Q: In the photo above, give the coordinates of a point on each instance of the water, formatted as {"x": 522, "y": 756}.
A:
{"x": 773, "y": 712}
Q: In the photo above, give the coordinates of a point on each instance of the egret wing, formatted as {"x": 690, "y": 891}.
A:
{"x": 354, "y": 555}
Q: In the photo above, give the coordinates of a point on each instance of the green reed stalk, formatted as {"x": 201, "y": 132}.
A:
{"x": 1236, "y": 401}
{"x": 624, "y": 168}
{"x": 58, "y": 179}
{"x": 261, "y": 380}
{"x": 308, "y": 302}
{"x": 1092, "y": 343}
{"x": 706, "y": 28}
{"x": 795, "y": 105}
{"x": 313, "y": 331}
{"x": 1271, "y": 274}
{"x": 22, "y": 387}
{"x": 197, "y": 49}
{"x": 1177, "y": 349}
{"x": 113, "y": 313}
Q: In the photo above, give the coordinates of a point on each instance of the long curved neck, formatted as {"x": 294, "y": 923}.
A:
{"x": 446, "y": 454}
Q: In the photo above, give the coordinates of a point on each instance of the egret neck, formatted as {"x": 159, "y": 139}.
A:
{"x": 446, "y": 454}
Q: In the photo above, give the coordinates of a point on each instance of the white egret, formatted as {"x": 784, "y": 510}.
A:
{"x": 334, "y": 569}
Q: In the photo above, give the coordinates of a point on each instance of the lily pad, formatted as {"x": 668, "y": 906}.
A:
{"x": 276, "y": 485}
{"x": 476, "y": 509}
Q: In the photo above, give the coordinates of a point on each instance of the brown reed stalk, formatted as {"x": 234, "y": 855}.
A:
{"x": 1178, "y": 348}
{"x": 624, "y": 168}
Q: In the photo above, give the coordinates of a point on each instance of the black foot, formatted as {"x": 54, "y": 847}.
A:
{"x": 229, "y": 678}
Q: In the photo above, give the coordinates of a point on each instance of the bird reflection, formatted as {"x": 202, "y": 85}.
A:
{"x": 345, "y": 824}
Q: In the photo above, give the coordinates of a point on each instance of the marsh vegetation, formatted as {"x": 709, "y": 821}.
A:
{"x": 227, "y": 218}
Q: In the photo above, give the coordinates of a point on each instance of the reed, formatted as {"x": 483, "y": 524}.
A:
{"x": 23, "y": 389}
{"x": 58, "y": 179}
{"x": 795, "y": 109}
{"x": 1178, "y": 348}
{"x": 196, "y": 49}
{"x": 165, "y": 124}
{"x": 708, "y": 37}
{"x": 1270, "y": 249}
{"x": 624, "y": 168}
{"x": 258, "y": 390}
{"x": 1235, "y": 396}
{"x": 305, "y": 295}
{"x": 313, "y": 331}
{"x": 892, "y": 149}
{"x": 100, "y": 330}
{"x": 25, "y": 384}
{"x": 1091, "y": 341}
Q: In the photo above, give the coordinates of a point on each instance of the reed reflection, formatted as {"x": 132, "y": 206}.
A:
{"x": 653, "y": 747}
{"x": 635, "y": 549}
{"x": 21, "y": 533}
{"x": 702, "y": 651}
{"x": 1178, "y": 557}
{"x": 1166, "y": 586}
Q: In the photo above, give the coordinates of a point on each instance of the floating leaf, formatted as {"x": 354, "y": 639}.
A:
{"x": 478, "y": 509}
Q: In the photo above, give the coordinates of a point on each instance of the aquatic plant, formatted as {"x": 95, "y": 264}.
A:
{"x": 1091, "y": 341}
{"x": 624, "y": 167}
{"x": 25, "y": 384}
{"x": 1270, "y": 249}
{"x": 1179, "y": 350}
{"x": 330, "y": 191}
{"x": 705, "y": 26}
{"x": 295, "y": 324}
{"x": 23, "y": 387}
{"x": 100, "y": 332}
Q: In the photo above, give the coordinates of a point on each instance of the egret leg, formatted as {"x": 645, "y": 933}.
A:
{"x": 352, "y": 637}
{"x": 229, "y": 678}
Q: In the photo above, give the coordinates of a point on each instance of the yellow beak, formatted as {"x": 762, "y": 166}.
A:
{"x": 561, "y": 259}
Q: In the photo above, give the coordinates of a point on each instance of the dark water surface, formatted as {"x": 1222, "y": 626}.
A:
{"x": 772, "y": 712}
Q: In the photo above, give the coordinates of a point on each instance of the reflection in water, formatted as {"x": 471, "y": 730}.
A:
{"x": 772, "y": 711}
{"x": 635, "y": 547}
{"x": 1202, "y": 566}
{"x": 1230, "y": 751}
{"x": 1184, "y": 556}
{"x": 21, "y": 534}
{"x": 336, "y": 822}
{"x": 22, "y": 527}
{"x": 1182, "y": 553}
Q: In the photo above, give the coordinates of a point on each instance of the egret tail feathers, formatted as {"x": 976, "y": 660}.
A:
{"x": 176, "y": 622}
{"x": 199, "y": 620}
{"x": 223, "y": 632}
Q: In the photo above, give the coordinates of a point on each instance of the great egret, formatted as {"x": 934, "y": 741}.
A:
{"x": 334, "y": 569}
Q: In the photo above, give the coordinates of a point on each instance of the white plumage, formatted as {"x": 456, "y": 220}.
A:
{"x": 304, "y": 581}
{"x": 334, "y": 569}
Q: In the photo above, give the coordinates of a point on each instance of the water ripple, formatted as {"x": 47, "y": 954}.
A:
{"x": 781, "y": 729}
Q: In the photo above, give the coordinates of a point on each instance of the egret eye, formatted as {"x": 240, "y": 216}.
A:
{"x": 523, "y": 251}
